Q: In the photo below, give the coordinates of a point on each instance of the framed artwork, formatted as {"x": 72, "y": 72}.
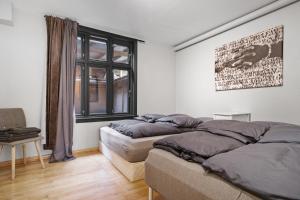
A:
{"x": 252, "y": 62}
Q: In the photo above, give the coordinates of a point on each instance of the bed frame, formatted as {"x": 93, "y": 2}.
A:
{"x": 132, "y": 171}
{"x": 158, "y": 179}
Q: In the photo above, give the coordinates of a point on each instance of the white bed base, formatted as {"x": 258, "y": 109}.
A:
{"x": 132, "y": 171}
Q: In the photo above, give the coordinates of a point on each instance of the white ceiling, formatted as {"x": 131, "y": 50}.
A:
{"x": 165, "y": 21}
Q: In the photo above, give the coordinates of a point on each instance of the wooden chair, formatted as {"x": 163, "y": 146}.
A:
{"x": 15, "y": 118}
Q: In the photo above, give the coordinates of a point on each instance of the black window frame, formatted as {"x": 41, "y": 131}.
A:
{"x": 85, "y": 33}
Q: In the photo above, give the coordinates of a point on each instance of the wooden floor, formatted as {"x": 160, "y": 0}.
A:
{"x": 89, "y": 177}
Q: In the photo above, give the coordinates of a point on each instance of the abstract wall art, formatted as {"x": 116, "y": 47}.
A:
{"x": 252, "y": 62}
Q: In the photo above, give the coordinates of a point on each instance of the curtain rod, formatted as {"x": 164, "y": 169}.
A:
{"x": 260, "y": 12}
{"x": 138, "y": 40}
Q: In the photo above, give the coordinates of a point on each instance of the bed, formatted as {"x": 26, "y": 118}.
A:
{"x": 177, "y": 179}
{"x": 266, "y": 168}
{"x": 126, "y": 154}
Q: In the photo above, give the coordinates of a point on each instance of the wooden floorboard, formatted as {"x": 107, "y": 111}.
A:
{"x": 90, "y": 177}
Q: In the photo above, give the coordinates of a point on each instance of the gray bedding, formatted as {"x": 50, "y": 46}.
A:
{"x": 285, "y": 133}
{"x": 197, "y": 146}
{"x": 149, "y": 125}
{"x": 132, "y": 150}
{"x": 182, "y": 121}
{"x": 269, "y": 169}
{"x": 214, "y": 137}
{"x": 251, "y": 130}
{"x": 177, "y": 179}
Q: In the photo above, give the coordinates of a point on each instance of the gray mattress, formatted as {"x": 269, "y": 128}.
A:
{"x": 132, "y": 150}
{"x": 177, "y": 179}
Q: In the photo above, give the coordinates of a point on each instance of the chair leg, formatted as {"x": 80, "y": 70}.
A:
{"x": 150, "y": 194}
{"x": 13, "y": 162}
{"x": 1, "y": 148}
{"x": 37, "y": 146}
{"x": 24, "y": 153}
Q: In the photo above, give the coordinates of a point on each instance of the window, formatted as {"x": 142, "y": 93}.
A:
{"x": 105, "y": 87}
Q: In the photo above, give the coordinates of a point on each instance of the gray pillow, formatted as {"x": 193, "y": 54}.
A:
{"x": 181, "y": 120}
{"x": 152, "y": 117}
{"x": 237, "y": 136}
{"x": 205, "y": 119}
{"x": 287, "y": 133}
{"x": 248, "y": 129}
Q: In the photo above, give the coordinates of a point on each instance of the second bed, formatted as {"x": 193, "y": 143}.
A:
{"x": 125, "y": 153}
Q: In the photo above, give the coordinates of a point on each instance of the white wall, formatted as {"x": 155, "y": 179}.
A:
{"x": 6, "y": 12}
{"x": 22, "y": 76}
{"x": 156, "y": 79}
{"x": 195, "y": 89}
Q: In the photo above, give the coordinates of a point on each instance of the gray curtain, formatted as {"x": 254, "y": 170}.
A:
{"x": 62, "y": 149}
{"x": 55, "y": 35}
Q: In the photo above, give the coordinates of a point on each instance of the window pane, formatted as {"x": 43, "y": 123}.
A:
{"x": 78, "y": 90}
{"x": 98, "y": 50}
{"x": 79, "y": 49}
{"x": 120, "y": 91}
{"x": 97, "y": 90}
{"x": 120, "y": 54}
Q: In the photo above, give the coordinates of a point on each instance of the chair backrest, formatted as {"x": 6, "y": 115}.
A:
{"x": 12, "y": 118}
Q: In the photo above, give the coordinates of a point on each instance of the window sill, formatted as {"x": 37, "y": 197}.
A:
{"x": 81, "y": 119}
